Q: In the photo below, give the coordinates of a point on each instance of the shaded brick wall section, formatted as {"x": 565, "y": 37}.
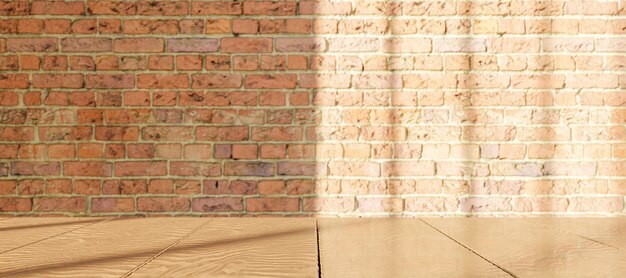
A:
{"x": 405, "y": 108}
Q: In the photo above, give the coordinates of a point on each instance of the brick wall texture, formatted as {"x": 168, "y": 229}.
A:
{"x": 332, "y": 108}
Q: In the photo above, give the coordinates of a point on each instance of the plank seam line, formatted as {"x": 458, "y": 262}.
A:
{"x": 580, "y": 236}
{"x": 147, "y": 261}
{"x": 53, "y": 236}
{"x": 470, "y": 249}
{"x": 319, "y": 256}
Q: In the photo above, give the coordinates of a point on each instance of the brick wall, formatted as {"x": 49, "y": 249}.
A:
{"x": 367, "y": 108}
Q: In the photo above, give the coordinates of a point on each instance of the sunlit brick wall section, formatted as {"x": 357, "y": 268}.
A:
{"x": 312, "y": 108}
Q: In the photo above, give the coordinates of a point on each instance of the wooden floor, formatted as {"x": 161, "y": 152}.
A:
{"x": 308, "y": 247}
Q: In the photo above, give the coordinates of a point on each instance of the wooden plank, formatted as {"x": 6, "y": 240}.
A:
{"x": 526, "y": 250}
{"x": 608, "y": 231}
{"x": 245, "y": 247}
{"x": 106, "y": 249}
{"x": 18, "y": 232}
{"x": 394, "y": 248}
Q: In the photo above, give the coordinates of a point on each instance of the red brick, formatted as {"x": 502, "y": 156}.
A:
{"x": 97, "y": 7}
{"x": 209, "y": 133}
{"x": 162, "y": 8}
{"x": 273, "y": 151}
{"x": 162, "y": 81}
{"x": 217, "y": 26}
{"x": 112, "y": 205}
{"x": 57, "y": 26}
{"x": 140, "y": 168}
{"x": 217, "y": 204}
{"x": 197, "y": 152}
{"x": 23, "y": 168}
{"x": 134, "y": 186}
{"x": 30, "y": 26}
{"x": 8, "y": 187}
{"x": 216, "y": 8}
{"x": 167, "y": 133}
{"x": 192, "y": 45}
{"x": 161, "y": 187}
{"x": 115, "y": 151}
{"x": 243, "y": 187}
{"x": 109, "y": 25}
{"x": 189, "y": 62}
{"x": 113, "y": 81}
{"x": 191, "y": 26}
{"x": 60, "y": 204}
{"x": 14, "y": 8}
{"x": 61, "y": 151}
{"x": 33, "y": 151}
{"x": 168, "y": 151}
{"x": 162, "y": 204}
{"x": 272, "y": 204}
{"x": 271, "y": 81}
{"x": 298, "y": 168}
{"x": 246, "y": 45}
{"x": 11, "y": 204}
{"x": 87, "y": 187}
{"x": 201, "y": 81}
{"x": 206, "y": 169}
{"x": 245, "y": 151}
{"x": 300, "y": 44}
{"x": 30, "y": 187}
{"x": 84, "y": 26}
{"x": 120, "y": 133}
{"x": 129, "y": 45}
{"x": 262, "y": 169}
{"x": 17, "y": 134}
{"x": 58, "y": 8}
{"x": 140, "y": 150}
{"x": 245, "y": 26}
{"x": 87, "y": 168}
{"x": 59, "y": 186}
{"x": 65, "y": 133}
{"x": 8, "y": 151}
{"x": 270, "y": 8}
{"x": 86, "y": 45}
{"x": 277, "y": 133}
{"x": 58, "y": 80}
{"x": 14, "y": 81}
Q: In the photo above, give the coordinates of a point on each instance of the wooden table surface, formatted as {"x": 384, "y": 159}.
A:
{"x": 308, "y": 247}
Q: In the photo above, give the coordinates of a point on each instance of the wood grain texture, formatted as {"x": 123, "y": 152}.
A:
{"x": 528, "y": 250}
{"x": 17, "y": 232}
{"x": 106, "y": 249}
{"x": 609, "y": 231}
{"x": 394, "y": 248}
{"x": 249, "y": 247}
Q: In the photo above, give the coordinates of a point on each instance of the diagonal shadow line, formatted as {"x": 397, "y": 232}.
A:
{"x": 150, "y": 252}
{"x": 26, "y": 227}
{"x": 544, "y": 226}
{"x": 468, "y": 248}
{"x": 144, "y": 263}
{"x": 56, "y": 235}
